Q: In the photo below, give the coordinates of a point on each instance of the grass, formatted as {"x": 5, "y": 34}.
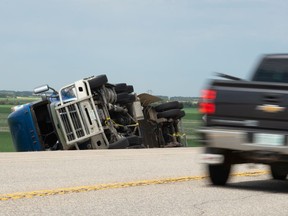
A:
{"x": 192, "y": 114}
{"x": 5, "y": 109}
{"x": 190, "y": 123}
{"x": 6, "y": 144}
{"x": 193, "y": 143}
{"x": 18, "y": 100}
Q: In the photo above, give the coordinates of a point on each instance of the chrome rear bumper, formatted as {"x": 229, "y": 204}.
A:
{"x": 237, "y": 140}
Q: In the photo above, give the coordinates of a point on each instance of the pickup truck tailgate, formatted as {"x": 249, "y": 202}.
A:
{"x": 250, "y": 104}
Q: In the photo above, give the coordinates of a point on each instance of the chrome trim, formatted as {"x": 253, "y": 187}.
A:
{"x": 237, "y": 140}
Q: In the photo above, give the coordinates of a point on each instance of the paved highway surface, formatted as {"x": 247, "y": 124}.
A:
{"x": 132, "y": 182}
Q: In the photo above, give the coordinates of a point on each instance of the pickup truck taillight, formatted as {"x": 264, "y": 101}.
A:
{"x": 207, "y": 105}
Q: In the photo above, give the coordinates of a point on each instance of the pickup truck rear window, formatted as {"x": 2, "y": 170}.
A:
{"x": 272, "y": 70}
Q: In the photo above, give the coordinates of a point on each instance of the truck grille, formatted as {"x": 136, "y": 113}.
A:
{"x": 78, "y": 121}
{"x": 71, "y": 120}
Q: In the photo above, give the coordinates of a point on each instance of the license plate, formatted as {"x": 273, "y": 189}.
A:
{"x": 269, "y": 139}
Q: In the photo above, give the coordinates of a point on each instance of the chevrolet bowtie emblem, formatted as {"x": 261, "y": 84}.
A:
{"x": 270, "y": 108}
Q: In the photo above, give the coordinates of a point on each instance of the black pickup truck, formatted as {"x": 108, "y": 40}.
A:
{"x": 246, "y": 121}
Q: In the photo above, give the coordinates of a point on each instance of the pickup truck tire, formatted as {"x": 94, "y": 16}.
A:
{"x": 278, "y": 172}
{"x": 219, "y": 173}
{"x": 168, "y": 106}
{"x": 98, "y": 81}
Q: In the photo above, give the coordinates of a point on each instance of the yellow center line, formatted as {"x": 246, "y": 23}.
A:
{"x": 80, "y": 189}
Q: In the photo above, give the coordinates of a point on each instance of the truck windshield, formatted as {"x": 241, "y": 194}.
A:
{"x": 272, "y": 70}
{"x": 68, "y": 93}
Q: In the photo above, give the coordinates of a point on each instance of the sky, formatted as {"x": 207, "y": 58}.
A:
{"x": 164, "y": 47}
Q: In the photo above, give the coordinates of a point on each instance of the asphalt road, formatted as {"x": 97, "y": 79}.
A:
{"x": 132, "y": 182}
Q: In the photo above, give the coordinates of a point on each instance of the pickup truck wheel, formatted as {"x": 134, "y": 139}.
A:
{"x": 219, "y": 173}
{"x": 277, "y": 172}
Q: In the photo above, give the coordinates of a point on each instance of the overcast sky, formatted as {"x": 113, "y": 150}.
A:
{"x": 167, "y": 47}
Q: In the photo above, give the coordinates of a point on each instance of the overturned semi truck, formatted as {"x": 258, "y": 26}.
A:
{"x": 92, "y": 113}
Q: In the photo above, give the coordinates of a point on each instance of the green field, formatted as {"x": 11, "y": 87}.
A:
{"x": 17, "y": 100}
{"x": 6, "y": 142}
{"x": 5, "y": 138}
{"x": 192, "y": 114}
{"x": 5, "y": 110}
{"x": 189, "y": 123}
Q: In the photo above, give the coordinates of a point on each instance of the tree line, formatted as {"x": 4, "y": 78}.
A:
{"x": 12, "y": 97}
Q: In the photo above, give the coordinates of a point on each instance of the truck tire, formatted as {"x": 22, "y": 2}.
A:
{"x": 168, "y": 106}
{"x": 123, "y": 87}
{"x": 120, "y": 87}
{"x": 141, "y": 146}
{"x": 98, "y": 81}
{"x": 130, "y": 89}
{"x": 181, "y": 114}
{"x": 134, "y": 140}
{"x": 278, "y": 172}
{"x": 124, "y": 98}
{"x": 120, "y": 144}
{"x": 219, "y": 173}
{"x": 173, "y": 113}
